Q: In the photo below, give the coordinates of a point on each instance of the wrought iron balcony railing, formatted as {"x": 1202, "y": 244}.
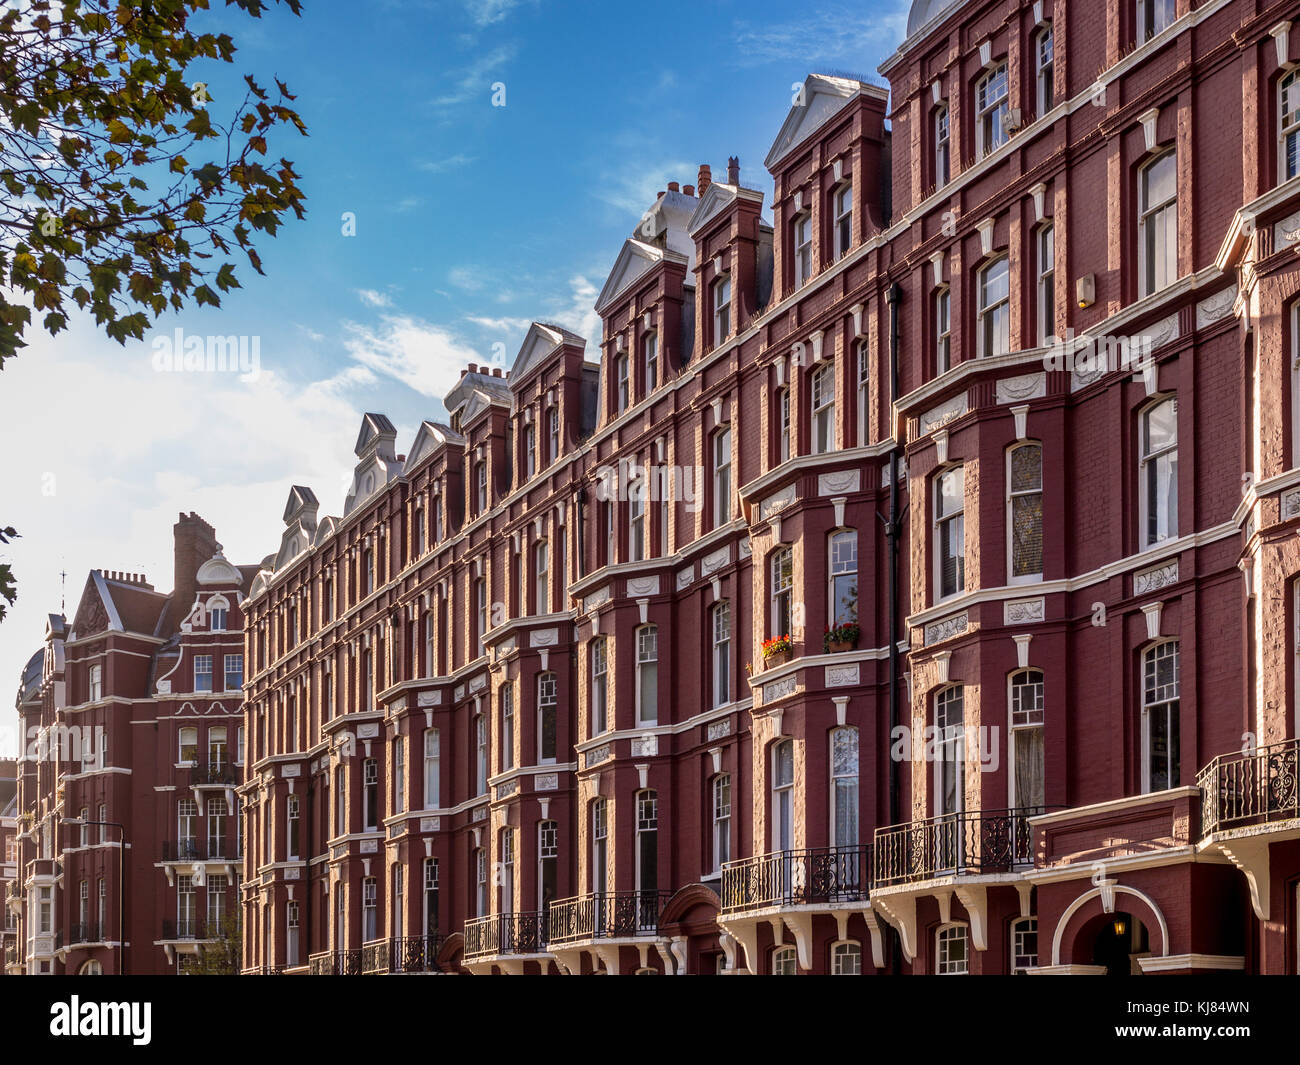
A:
{"x": 796, "y": 878}
{"x": 84, "y": 933}
{"x": 1250, "y": 788}
{"x": 184, "y": 928}
{"x": 198, "y": 849}
{"x": 215, "y": 773}
{"x": 374, "y": 957}
{"x": 974, "y": 841}
{"x": 612, "y": 915}
{"x": 506, "y": 933}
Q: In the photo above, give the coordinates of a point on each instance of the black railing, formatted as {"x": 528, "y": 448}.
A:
{"x": 184, "y": 928}
{"x": 797, "y": 878}
{"x": 84, "y": 933}
{"x": 1250, "y": 788}
{"x": 406, "y": 955}
{"x": 506, "y": 933}
{"x": 198, "y": 849}
{"x": 974, "y": 841}
{"x": 215, "y": 773}
{"x": 613, "y": 915}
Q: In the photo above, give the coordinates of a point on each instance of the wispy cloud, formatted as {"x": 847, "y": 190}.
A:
{"x": 371, "y": 298}
{"x": 423, "y": 356}
{"x": 856, "y": 35}
{"x": 578, "y": 312}
{"x": 452, "y": 162}
{"x": 500, "y": 325}
{"x": 488, "y": 12}
{"x": 474, "y": 80}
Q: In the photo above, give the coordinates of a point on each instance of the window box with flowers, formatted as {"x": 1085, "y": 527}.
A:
{"x": 777, "y": 651}
{"x": 843, "y": 637}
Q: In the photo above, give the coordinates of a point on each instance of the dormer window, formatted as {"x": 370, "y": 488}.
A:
{"x": 991, "y": 111}
{"x": 650, "y": 351}
{"x": 217, "y": 619}
{"x": 843, "y": 220}
{"x": 620, "y": 371}
{"x": 942, "y": 146}
{"x": 721, "y": 309}
{"x": 802, "y": 248}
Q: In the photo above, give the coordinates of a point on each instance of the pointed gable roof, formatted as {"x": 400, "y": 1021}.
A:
{"x": 302, "y": 501}
{"x": 376, "y": 430}
{"x": 716, "y": 199}
{"x": 823, "y": 97}
{"x": 635, "y": 259}
{"x": 541, "y": 340}
{"x": 428, "y": 439}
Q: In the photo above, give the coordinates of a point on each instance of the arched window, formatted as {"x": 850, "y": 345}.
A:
{"x": 647, "y": 674}
{"x": 547, "y": 709}
{"x": 846, "y": 959}
{"x": 823, "y": 409}
{"x": 950, "y": 532}
{"x": 1158, "y": 471}
{"x": 1288, "y": 110}
{"x": 844, "y": 793}
{"x": 782, "y": 578}
{"x": 842, "y": 578}
{"x": 952, "y": 951}
{"x": 783, "y": 795}
{"x": 720, "y": 631}
{"x": 1027, "y": 766}
{"x": 91, "y": 968}
{"x": 993, "y": 308}
{"x": 1157, "y": 224}
{"x": 599, "y": 655}
{"x": 1160, "y": 717}
{"x": 991, "y": 111}
{"x": 785, "y": 962}
{"x": 1025, "y": 512}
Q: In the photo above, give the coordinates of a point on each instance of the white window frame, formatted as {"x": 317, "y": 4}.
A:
{"x": 785, "y": 961}
{"x": 1014, "y": 494}
{"x": 599, "y": 655}
{"x": 821, "y": 404}
{"x": 1154, "y": 17}
{"x": 846, "y": 958}
{"x": 1044, "y": 67}
{"x": 841, "y": 562}
{"x": 547, "y": 702}
{"x": 1045, "y": 262}
{"x": 720, "y": 798}
{"x": 1158, "y": 226}
{"x": 783, "y": 424}
{"x": 836, "y": 778}
{"x": 95, "y": 680}
{"x": 945, "y": 938}
{"x": 721, "y": 304}
{"x": 842, "y": 211}
{"x": 530, "y": 452}
{"x": 951, "y": 747}
{"x": 942, "y": 330}
{"x": 802, "y": 228}
{"x": 1288, "y": 126}
{"x": 1151, "y": 478}
{"x": 1026, "y": 711}
{"x": 647, "y": 671}
{"x": 864, "y": 393}
{"x": 200, "y": 661}
{"x": 432, "y": 769}
{"x": 481, "y": 767}
{"x": 942, "y": 145}
{"x": 941, "y": 519}
{"x": 623, "y": 391}
{"x": 992, "y": 314}
{"x": 636, "y": 520}
{"x": 650, "y": 361}
{"x": 781, "y": 581}
{"x": 1022, "y": 959}
{"x": 782, "y": 797}
{"x": 508, "y": 725}
{"x": 991, "y": 111}
{"x": 720, "y": 651}
{"x": 1161, "y": 699}
{"x": 722, "y": 476}
{"x": 542, "y": 577}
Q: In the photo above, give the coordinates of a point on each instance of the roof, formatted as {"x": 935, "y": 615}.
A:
{"x": 542, "y": 339}
{"x": 923, "y": 12}
{"x": 822, "y": 98}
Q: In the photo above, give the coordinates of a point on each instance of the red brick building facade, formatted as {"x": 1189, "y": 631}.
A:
{"x": 131, "y": 721}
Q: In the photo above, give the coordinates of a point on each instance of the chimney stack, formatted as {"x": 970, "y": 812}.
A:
{"x": 733, "y": 171}
{"x": 473, "y": 367}
{"x": 704, "y": 179}
{"x": 195, "y": 542}
{"x": 688, "y": 190}
{"x": 674, "y": 187}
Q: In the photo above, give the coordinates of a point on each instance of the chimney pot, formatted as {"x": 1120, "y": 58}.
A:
{"x": 674, "y": 187}
{"x": 704, "y": 179}
{"x": 659, "y": 195}
{"x": 733, "y": 171}
{"x": 688, "y": 190}
{"x": 473, "y": 367}
{"x": 496, "y": 371}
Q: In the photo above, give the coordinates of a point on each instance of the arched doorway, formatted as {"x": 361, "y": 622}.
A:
{"x": 1116, "y": 940}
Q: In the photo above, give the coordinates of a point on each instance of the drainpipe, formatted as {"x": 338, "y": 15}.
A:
{"x": 893, "y": 531}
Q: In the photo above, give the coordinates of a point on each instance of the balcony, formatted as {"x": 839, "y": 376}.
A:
{"x": 1250, "y": 789}
{"x": 598, "y": 924}
{"x": 335, "y": 963}
{"x": 198, "y": 850}
{"x": 505, "y": 939}
{"x": 401, "y": 955}
{"x": 970, "y": 843}
{"x": 84, "y": 933}
{"x": 184, "y": 929}
{"x": 11, "y": 956}
{"x": 825, "y": 878}
{"x": 215, "y": 774}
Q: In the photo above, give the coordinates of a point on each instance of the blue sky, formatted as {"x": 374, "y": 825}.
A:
{"x": 471, "y": 220}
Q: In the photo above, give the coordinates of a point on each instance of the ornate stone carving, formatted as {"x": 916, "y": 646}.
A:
{"x": 1287, "y": 231}
{"x": 598, "y": 597}
{"x": 368, "y": 731}
{"x": 839, "y": 482}
{"x": 477, "y": 684}
{"x": 369, "y": 846}
{"x": 458, "y": 693}
{"x": 938, "y": 417}
{"x": 597, "y": 755}
{"x": 1020, "y": 611}
{"x": 546, "y": 782}
{"x": 945, "y": 629}
{"x": 430, "y": 824}
{"x": 1158, "y": 577}
{"x": 544, "y": 638}
{"x": 715, "y": 561}
{"x": 685, "y": 577}
{"x": 645, "y": 746}
{"x": 1290, "y": 504}
{"x": 779, "y": 689}
{"x": 1212, "y": 308}
{"x": 776, "y": 502}
{"x": 841, "y": 676}
{"x": 718, "y": 730}
{"x": 637, "y": 586}
{"x": 429, "y": 699}
{"x": 504, "y": 791}
{"x": 1018, "y": 389}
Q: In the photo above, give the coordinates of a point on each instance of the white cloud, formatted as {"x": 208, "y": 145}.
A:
{"x": 475, "y": 80}
{"x": 112, "y": 451}
{"x": 372, "y": 298}
{"x": 500, "y": 325}
{"x": 854, "y": 35}
{"x": 488, "y": 12}
{"x": 452, "y": 162}
{"x": 632, "y": 188}
{"x": 425, "y": 357}
{"x": 579, "y": 313}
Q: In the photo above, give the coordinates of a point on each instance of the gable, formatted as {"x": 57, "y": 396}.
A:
{"x": 538, "y": 344}
{"x": 824, "y": 97}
